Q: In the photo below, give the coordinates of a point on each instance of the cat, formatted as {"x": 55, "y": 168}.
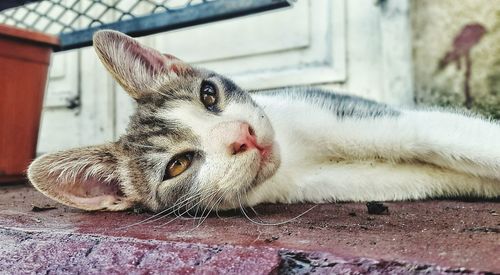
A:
{"x": 198, "y": 141}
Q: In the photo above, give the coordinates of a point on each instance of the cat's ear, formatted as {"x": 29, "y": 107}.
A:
{"x": 138, "y": 68}
{"x": 85, "y": 178}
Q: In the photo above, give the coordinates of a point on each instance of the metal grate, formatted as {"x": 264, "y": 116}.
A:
{"x": 74, "y": 21}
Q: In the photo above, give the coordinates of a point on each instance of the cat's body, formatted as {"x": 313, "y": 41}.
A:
{"x": 197, "y": 141}
{"x": 342, "y": 148}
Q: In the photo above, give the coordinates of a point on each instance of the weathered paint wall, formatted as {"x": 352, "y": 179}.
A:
{"x": 456, "y": 51}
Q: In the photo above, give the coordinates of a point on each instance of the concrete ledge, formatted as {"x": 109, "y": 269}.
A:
{"x": 414, "y": 237}
{"x": 59, "y": 253}
{"x": 43, "y": 253}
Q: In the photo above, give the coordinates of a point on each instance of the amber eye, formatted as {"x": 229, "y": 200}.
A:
{"x": 178, "y": 165}
{"x": 208, "y": 95}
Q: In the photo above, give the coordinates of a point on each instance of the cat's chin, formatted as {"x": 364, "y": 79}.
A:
{"x": 268, "y": 165}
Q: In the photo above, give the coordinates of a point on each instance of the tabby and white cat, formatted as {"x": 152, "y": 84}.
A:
{"x": 198, "y": 141}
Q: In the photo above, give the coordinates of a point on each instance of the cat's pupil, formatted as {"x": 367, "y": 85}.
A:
{"x": 208, "y": 99}
{"x": 208, "y": 95}
{"x": 178, "y": 165}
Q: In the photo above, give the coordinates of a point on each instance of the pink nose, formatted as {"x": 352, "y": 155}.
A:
{"x": 245, "y": 141}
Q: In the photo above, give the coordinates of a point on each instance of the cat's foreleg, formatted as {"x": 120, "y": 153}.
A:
{"x": 455, "y": 141}
{"x": 449, "y": 140}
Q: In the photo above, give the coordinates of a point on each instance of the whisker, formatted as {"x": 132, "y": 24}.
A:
{"x": 152, "y": 218}
{"x": 272, "y": 224}
{"x": 187, "y": 210}
{"x": 202, "y": 216}
{"x": 217, "y": 209}
{"x": 177, "y": 206}
{"x": 177, "y": 216}
{"x": 176, "y": 211}
{"x": 213, "y": 205}
{"x": 256, "y": 214}
{"x": 196, "y": 213}
{"x": 221, "y": 197}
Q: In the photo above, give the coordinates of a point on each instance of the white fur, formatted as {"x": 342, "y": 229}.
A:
{"x": 415, "y": 155}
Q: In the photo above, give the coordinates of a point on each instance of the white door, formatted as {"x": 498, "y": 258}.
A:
{"x": 79, "y": 103}
{"x": 359, "y": 47}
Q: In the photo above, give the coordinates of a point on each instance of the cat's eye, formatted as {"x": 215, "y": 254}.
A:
{"x": 178, "y": 164}
{"x": 208, "y": 95}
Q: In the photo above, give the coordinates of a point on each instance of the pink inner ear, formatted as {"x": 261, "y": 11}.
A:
{"x": 178, "y": 70}
{"x": 159, "y": 62}
{"x": 176, "y": 65}
{"x": 92, "y": 192}
{"x": 151, "y": 58}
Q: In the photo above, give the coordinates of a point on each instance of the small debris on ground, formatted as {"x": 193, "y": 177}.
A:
{"x": 272, "y": 239}
{"x": 46, "y": 207}
{"x": 483, "y": 229}
{"x": 377, "y": 208}
{"x": 352, "y": 214}
{"x": 137, "y": 210}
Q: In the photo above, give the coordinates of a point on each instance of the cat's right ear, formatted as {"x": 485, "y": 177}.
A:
{"x": 138, "y": 68}
{"x": 89, "y": 178}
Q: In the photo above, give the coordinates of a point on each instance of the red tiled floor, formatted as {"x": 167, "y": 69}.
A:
{"x": 430, "y": 236}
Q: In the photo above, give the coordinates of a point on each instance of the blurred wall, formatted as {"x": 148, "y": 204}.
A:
{"x": 456, "y": 53}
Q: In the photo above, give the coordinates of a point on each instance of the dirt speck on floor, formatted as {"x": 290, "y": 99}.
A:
{"x": 377, "y": 208}
{"x": 46, "y": 207}
{"x": 483, "y": 229}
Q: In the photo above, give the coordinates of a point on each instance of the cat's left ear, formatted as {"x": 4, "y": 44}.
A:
{"x": 139, "y": 69}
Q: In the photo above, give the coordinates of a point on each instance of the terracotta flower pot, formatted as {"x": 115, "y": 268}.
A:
{"x": 24, "y": 62}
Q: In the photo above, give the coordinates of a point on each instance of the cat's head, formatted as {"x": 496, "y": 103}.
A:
{"x": 195, "y": 140}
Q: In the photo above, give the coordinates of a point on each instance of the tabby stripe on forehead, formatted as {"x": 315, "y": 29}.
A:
{"x": 151, "y": 101}
{"x": 151, "y": 121}
{"x": 154, "y": 101}
{"x": 145, "y": 126}
{"x": 234, "y": 93}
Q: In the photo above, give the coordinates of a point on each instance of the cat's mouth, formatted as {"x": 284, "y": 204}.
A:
{"x": 261, "y": 164}
{"x": 265, "y": 151}
{"x": 269, "y": 162}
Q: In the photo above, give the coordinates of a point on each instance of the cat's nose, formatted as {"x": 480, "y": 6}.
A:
{"x": 245, "y": 141}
